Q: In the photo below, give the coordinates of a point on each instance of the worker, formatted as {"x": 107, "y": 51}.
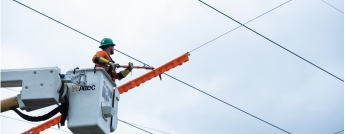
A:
{"x": 102, "y": 59}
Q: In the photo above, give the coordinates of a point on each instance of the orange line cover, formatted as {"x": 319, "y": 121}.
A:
{"x": 43, "y": 126}
{"x": 141, "y": 79}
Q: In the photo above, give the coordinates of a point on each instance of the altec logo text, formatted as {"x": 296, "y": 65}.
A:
{"x": 83, "y": 88}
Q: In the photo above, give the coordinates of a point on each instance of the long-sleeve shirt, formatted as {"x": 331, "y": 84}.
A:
{"x": 104, "y": 54}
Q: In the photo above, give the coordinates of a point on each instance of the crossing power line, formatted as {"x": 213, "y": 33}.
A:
{"x": 333, "y": 6}
{"x": 11, "y": 89}
{"x": 228, "y": 104}
{"x": 238, "y": 26}
{"x": 56, "y": 20}
{"x": 339, "y": 132}
{"x": 135, "y": 126}
{"x": 271, "y": 41}
{"x": 149, "y": 128}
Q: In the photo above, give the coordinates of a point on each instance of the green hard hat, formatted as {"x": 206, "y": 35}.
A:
{"x": 106, "y": 42}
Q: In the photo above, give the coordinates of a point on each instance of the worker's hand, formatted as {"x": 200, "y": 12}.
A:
{"x": 112, "y": 65}
{"x": 130, "y": 66}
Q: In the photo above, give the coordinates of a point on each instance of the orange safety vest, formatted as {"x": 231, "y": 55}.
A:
{"x": 104, "y": 54}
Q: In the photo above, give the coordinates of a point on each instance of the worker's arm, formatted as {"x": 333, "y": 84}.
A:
{"x": 103, "y": 59}
{"x": 100, "y": 60}
{"x": 124, "y": 73}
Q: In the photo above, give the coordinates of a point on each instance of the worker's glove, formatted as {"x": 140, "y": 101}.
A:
{"x": 117, "y": 65}
{"x": 130, "y": 66}
{"x": 124, "y": 73}
{"x": 112, "y": 65}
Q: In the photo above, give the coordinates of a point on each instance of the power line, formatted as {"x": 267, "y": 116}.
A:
{"x": 333, "y": 7}
{"x": 11, "y": 89}
{"x": 170, "y": 76}
{"x": 271, "y": 40}
{"x": 239, "y": 26}
{"x": 72, "y": 28}
{"x": 210, "y": 95}
{"x": 56, "y": 21}
{"x": 339, "y": 132}
{"x": 32, "y": 123}
{"x": 228, "y": 104}
{"x": 135, "y": 126}
{"x": 149, "y": 128}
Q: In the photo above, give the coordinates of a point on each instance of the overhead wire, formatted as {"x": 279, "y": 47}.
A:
{"x": 228, "y": 104}
{"x": 271, "y": 41}
{"x": 339, "y": 132}
{"x": 135, "y": 126}
{"x": 73, "y": 29}
{"x": 55, "y": 20}
{"x": 11, "y": 89}
{"x": 149, "y": 128}
{"x": 167, "y": 75}
{"x": 33, "y": 123}
{"x": 333, "y": 6}
{"x": 239, "y": 26}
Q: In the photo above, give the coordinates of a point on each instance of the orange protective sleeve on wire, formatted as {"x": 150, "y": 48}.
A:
{"x": 141, "y": 79}
{"x": 43, "y": 126}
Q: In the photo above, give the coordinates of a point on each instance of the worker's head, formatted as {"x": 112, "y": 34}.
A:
{"x": 107, "y": 45}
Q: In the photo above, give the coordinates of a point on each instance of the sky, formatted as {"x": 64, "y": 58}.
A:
{"x": 240, "y": 68}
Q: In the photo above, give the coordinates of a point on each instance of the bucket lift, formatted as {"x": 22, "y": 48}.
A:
{"x": 89, "y": 95}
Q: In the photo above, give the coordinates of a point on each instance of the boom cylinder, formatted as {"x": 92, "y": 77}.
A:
{"x": 6, "y": 104}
